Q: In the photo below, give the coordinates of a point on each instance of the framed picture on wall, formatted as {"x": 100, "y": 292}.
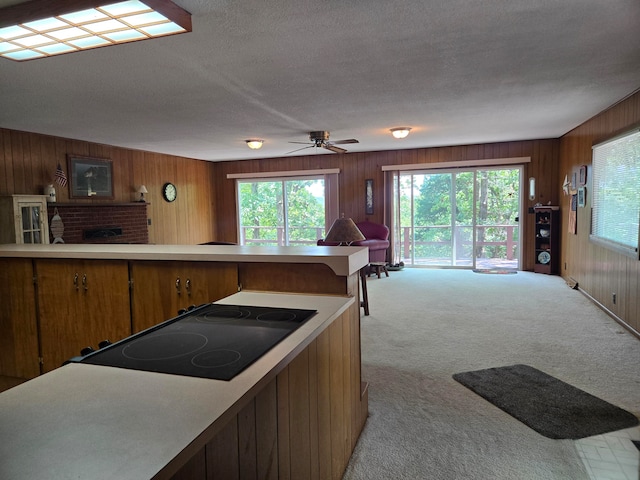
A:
{"x": 582, "y": 177}
{"x": 574, "y": 181}
{"x": 90, "y": 177}
{"x": 582, "y": 196}
{"x": 368, "y": 196}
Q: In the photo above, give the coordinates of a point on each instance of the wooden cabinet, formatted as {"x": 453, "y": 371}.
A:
{"x": 81, "y": 303}
{"x": 161, "y": 288}
{"x": 18, "y": 324}
{"x": 547, "y": 240}
{"x": 23, "y": 219}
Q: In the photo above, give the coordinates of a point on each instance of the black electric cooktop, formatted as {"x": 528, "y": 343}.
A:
{"x": 211, "y": 341}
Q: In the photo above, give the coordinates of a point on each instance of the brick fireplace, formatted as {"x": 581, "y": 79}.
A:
{"x": 107, "y": 223}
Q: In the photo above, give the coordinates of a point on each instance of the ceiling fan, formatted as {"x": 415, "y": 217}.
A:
{"x": 321, "y": 139}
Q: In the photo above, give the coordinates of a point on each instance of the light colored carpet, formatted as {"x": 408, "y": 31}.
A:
{"x": 425, "y": 325}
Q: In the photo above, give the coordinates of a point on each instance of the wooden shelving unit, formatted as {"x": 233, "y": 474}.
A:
{"x": 547, "y": 257}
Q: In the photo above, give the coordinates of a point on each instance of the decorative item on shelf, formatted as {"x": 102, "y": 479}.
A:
{"x": 544, "y": 232}
{"x": 344, "y": 231}
{"x": 400, "y": 132}
{"x": 544, "y": 257}
{"x": 50, "y": 192}
{"x": 169, "y": 192}
{"x": 141, "y": 190}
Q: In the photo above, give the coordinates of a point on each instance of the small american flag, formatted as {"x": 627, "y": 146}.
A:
{"x": 61, "y": 177}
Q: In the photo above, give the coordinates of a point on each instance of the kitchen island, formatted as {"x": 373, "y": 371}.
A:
{"x": 295, "y": 413}
{"x": 60, "y": 299}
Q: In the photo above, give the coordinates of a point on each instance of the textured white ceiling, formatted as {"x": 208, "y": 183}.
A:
{"x": 457, "y": 71}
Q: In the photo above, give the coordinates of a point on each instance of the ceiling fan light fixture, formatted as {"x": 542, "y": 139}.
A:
{"x": 44, "y": 28}
{"x": 400, "y": 132}
{"x": 254, "y": 143}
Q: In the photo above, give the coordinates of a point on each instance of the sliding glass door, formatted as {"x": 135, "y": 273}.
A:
{"x": 461, "y": 218}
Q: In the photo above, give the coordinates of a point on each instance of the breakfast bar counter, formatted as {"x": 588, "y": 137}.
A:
{"x": 342, "y": 260}
{"x": 90, "y": 421}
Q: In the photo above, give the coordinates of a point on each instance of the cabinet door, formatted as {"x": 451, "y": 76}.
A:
{"x": 162, "y": 288}
{"x": 18, "y": 325}
{"x": 32, "y": 225}
{"x": 81, "y": 302}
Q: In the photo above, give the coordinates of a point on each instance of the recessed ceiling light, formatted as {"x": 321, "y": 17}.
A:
{"x": 44, "y": 28}
{"x": 400, "y": 132}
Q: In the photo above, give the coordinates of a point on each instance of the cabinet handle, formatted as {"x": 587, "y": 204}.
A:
{"x": 84, "y": 282}
{"x": 75, "y": 281}
{"x": 187, "y": 286}
{"x": 178, "y": 285}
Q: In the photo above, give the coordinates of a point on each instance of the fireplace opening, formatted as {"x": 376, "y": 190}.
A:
{"x": 104, "y": 232}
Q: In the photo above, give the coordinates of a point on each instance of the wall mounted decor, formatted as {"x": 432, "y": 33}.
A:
{"x": 582, "y": 178}
{"x": 574, "y": 182}
{"x": 90, "y": 177}
{"x": 582, "y": 196}
{"x": 368, "y": 196}
{"x": 169, "y": 192}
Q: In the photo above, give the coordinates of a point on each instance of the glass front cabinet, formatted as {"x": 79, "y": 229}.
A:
{"x": 23, "y": 219}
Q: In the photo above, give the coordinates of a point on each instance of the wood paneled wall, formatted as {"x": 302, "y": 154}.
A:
{"x": 600, "y": 272}
{"x": 356, "y": 167}
{"x": 206, "y": 206}
{"x": 28, "y": 162}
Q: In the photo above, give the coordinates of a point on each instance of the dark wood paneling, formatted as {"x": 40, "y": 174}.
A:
{"x": 28, "y": 162}
{"x": 205, "y": 209}
{"x": 355, "y": 168}
{"x": 292, "y": 277}
{"x": 18, "y": 325}
{"x": 600, "y": 272}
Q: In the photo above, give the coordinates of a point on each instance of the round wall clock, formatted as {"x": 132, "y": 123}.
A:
{"x": 169, "y": 192}
{"x": 544, "y": 257}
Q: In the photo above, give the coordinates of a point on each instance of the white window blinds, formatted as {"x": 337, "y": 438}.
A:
{"x": 615, "y": 192}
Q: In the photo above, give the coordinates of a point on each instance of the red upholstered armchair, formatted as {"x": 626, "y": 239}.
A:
{"x": 376, "y": 238}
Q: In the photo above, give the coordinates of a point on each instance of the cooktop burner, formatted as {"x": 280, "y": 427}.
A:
{"x": 211, "y": 341}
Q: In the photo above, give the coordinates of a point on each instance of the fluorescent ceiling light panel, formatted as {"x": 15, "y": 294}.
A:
{"x": 64, "y": 26}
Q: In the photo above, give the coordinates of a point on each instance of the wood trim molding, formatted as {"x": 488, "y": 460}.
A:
{"x": 489, "y": 162}
{"x": 293, "y": 173}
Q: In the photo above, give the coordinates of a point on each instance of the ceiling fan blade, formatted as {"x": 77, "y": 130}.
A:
{"x": 298, "y": 149}
{"x": 333, "y": 148}
{"x": 342, "y": 142}
{"x": 303, "y": 143}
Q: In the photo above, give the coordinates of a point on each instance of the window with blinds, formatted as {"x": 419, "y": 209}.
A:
{"x": 615, "y": 202}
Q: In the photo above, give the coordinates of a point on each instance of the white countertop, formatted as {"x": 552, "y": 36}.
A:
{"x": 342, "y": 260}
{"x": 88, "y": 421}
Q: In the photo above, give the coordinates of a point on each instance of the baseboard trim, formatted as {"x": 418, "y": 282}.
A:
{"x": 622, "y": 323}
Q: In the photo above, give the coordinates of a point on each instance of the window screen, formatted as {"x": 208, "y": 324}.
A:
{"x": 615, "y": 200}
